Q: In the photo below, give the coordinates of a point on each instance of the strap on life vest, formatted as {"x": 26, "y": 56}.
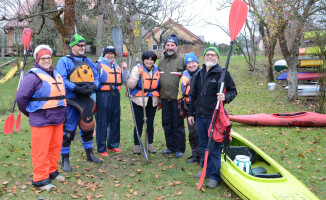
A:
{"x": 48, "y": 98}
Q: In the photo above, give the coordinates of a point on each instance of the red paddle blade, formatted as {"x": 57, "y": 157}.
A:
{"x": 18, "y": 121}
{"x": 203, "y": 173}
{"x": 9, "y": 124}
{"x": 237, "y": 18}
{"x": 27, "y": 37}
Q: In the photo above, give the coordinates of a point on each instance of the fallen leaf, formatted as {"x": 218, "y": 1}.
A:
{"x": 101, "y": 171}
{"x": 203, "y": 189}
{"x": 157, "y": 176}
{"x": 79, "y": 182}
{"x": 171, "y": 165}
{"x": 5, "y": 183}
{"x": 117, "y": 185}
{"x": 74, "y": 196}
{"x": 300, "y": 155}
{"x": 132, "y": 175}
{"x": 179, "y": 193}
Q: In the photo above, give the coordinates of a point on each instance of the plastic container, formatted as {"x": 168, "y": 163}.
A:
{"x": 243, "y": 162}
{"x": 271, "y": 86}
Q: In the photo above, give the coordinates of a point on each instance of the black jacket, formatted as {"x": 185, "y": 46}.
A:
{"x": 204, "y": 87}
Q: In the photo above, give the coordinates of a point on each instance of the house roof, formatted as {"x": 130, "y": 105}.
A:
{"x": 179, "y": 25}
{"x": 24, "y": 9}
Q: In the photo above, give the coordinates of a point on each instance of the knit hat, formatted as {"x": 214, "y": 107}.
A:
{"x": 191, "y": 57}
{"x": 212, "y": 49}
{"x": 42, "y": 50}
{"x": 172, "y": 38}
{"x": 108, "y": 49}
{"x": 75, "y": 39}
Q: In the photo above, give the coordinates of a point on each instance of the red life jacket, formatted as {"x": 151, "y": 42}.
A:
{"x": 50, "y": 95}
{"x": 221, "y": 126}
{"x": 110, "y": 79}
{"x": 151, "y": 85}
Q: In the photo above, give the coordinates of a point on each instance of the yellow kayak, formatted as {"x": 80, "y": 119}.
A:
{"x": 311, "y": 63}
{"x": 265, "y": 180}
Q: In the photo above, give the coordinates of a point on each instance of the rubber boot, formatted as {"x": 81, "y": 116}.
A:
{"x": 65, "y": 165}
{"x": 91, "y": 157}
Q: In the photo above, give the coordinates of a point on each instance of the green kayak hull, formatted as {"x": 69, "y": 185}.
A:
{"x": 276, "y": 183}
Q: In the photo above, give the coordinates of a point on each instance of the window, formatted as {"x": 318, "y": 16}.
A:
{"x": 154, "y": 47}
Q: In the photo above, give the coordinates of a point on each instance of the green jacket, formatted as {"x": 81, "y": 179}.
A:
{"x": 169, "y": 83}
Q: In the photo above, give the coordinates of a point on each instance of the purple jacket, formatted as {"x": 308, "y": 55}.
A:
{"x": 40, "y": 118}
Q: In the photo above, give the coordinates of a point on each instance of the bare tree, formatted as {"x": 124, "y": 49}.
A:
{"x": 293, "y": 16}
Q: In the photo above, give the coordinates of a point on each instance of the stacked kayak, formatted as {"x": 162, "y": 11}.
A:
{"x": 280, "y": 65}
{"x": 306, "y": 119}
{"x": 307, "y": 90}
{"x": 309, "y": 51}
{"x": 268, "y": 180}
{"x": 310, "y": 63}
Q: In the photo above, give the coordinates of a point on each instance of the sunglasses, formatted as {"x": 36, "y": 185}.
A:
{"x": 81, "y": 45}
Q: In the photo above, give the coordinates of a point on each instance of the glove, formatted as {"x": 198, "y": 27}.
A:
{"x": 159, "y": 107}
{"x": 81, "y": 89}
{"x": 91, "y": 88}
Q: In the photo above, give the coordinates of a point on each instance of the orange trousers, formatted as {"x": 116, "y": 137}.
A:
{"x": 45, "y": 151}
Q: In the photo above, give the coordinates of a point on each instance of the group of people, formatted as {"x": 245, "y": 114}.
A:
{"x": 56, "y": 101}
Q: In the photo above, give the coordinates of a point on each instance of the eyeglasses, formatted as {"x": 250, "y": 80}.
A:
{"x": 210, "y": 55}
{"x": 81, "y": 45}
{"x": 46, "y": 58}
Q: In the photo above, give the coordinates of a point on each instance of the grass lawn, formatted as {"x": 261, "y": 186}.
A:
{"x": 126, "y": 176}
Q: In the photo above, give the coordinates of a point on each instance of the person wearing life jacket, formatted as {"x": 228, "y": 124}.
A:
{"x": 42, "y": 97}
{"x": 108, "y": 102}
{"x": 192, "y": 64}
{"x": 151, "y": 84}
{"x": 173, "y": 124}
{"x": 81, "y": 80}
{"x": 204, "y": 94}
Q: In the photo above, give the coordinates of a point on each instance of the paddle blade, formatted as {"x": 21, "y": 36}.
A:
{"x": 117, "y": 37}
{"x": 237, "y": 18}
{"x": 9, "y": 124}
{"x": 18, "y": 121}
{"x": 203, "y": 173}
{"x": 27, "y": 37}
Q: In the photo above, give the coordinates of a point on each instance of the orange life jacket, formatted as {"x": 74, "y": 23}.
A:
{"x": 110, "y": 79}
{"x": 50, "y": 95}
{"x": 151, "y": 85}
{"x": 185, "y": 85}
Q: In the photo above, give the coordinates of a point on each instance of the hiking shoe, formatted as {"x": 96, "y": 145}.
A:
{"x": 168, "y": 151}
{"x": 116, "y": 150}
{"x": 211, "y": 183}
{"x": 48, "y": 187}
{"x": 105, "y": 153}
{"x": 178, "y": 154}
{"x": 60, "y": 178}
{"x": 151, "y": 149}
{"x": 136, "y": 149}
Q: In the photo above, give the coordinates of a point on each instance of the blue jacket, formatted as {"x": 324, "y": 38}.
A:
{"x": 64, "y": 67}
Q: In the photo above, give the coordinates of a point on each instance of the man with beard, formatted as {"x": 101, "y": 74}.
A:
{"x": 204, "y": 95}
{"x": 80, "y": 79}
{"x": 172, "y": 122}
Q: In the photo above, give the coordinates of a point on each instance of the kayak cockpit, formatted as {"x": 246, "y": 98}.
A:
{"x": 260, "y": 167}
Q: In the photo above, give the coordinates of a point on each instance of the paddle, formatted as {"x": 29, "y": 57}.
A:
{"x": 10, "y": 121}
{"x": 237, "y": 18}
{"x": 117, "y": 38}
{"x": 144, "y": 111}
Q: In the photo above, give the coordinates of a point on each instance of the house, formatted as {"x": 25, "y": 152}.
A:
{"x": 187, "y": 41}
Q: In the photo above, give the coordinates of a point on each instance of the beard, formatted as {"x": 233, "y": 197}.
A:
{"x": 81, "y": 52}
{"x": 171, "y": 52}
{"x": 210, "y": 64}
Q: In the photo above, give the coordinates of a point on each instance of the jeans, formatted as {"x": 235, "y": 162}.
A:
{"x": 214, "y": 156}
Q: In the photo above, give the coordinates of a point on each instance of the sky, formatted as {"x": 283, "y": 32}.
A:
{"x": 203, "y": 11}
